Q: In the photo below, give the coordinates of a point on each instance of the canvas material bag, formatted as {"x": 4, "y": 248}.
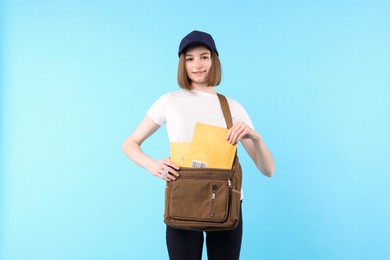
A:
{"x": 205, "y": 199}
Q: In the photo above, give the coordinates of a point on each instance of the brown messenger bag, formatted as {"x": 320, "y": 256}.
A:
{"x": 205, "y": 199}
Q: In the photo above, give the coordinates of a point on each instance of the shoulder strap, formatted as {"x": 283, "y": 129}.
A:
{"x": 226, "y": 110}
{"x": 229, "y": 123}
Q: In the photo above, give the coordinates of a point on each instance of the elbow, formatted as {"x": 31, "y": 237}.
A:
{"x": 126, "y": 147}
{"x": 269, "y": 172}
{"x": 129, "y": 146}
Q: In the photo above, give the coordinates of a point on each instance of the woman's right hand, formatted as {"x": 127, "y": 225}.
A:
{"x": 165, "y": 169}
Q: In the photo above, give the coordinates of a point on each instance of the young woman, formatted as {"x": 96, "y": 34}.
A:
{"x": 199, "y": 72}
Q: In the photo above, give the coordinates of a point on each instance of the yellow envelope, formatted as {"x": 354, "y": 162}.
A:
{"x": 179, "y": 153}
{"x": 209, "y": 148}
{"x": 209, "y": 145}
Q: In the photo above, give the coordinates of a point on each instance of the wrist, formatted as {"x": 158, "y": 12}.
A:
{"x": 256, "y": 137}
{"x": 150, "y": 164}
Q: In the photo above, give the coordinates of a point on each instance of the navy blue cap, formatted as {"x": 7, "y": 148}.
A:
{"x": 197, "y": 37}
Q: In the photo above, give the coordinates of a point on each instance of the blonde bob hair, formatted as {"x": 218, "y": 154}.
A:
{"x": 215, "y": 73}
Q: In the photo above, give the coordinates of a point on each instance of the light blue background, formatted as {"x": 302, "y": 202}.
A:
{"x": 78, "y": 76}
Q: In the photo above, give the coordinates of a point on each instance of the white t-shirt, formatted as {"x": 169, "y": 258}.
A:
{"x": 181, "y": 110}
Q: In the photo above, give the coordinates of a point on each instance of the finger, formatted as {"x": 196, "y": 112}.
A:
{"x": 170, "y": 166}
{"x": 236, "y": 128}
{"x": 241, "y": 136}
{"x": 231, "y": 136}
{"x": 162, "y": 176}
{"x": 165, "y": 176}
{"x": 235, "y": 135}
{"x": 174, "y": 173}
{"x": 170, "y": 171}
{"x": 231, "y": 133}
{"x": 171, "y": 177}
{"x": 173, "y": 166}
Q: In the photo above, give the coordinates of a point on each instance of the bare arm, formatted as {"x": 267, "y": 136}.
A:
{"x": 254, "y": 146}
{"x": 132, "y": 148}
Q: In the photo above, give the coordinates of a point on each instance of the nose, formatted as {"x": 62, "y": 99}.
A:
{"x": 198, "y": 64}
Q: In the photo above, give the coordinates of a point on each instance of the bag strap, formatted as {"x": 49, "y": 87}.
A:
{"x": 225, "y": 110}
{"x": 228, "y": 118}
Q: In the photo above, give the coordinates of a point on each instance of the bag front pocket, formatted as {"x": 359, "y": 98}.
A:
{"x": 199, "y": 199}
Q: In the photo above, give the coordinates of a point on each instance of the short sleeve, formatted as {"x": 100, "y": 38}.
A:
{"x": 157, "y": 112}
{"x": 239, "y": 114}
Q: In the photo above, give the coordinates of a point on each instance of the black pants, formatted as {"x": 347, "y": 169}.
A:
{"x": 188, "y": 245}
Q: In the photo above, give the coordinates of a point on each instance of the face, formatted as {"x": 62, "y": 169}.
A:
{"x": 198, "y": 64}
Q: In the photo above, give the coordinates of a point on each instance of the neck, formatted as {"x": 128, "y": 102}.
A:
{"x": 204, "y": 88}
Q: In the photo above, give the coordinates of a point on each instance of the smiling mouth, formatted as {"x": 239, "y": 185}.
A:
{"x": 199, "y": 72}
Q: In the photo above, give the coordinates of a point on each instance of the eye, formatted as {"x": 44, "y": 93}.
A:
{"x": 189, "y": 59}
{"x": 205, "y": 57}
